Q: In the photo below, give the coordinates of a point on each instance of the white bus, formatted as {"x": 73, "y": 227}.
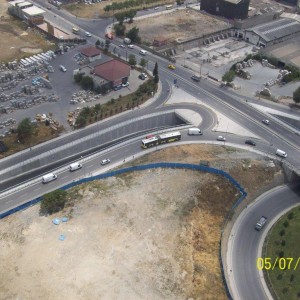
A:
{"x": 169, "y": 6}
{"x": 161, "y": 139}
{"x": 75, "y": 30}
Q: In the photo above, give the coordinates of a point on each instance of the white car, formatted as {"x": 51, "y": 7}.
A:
{"x": 125, "y": 84}
{"x": 62, "y": 68}
{"x": 122, "y": 46}
{"x": 156, "y": 8}
{"x": 105, "y": 161}
{"x": 88, "y": 34}
{"x": 267, "y": 122}
{"x": 221, "y": 138}
{"x": 145, "y": 75}
{"x": 130, "y": 46}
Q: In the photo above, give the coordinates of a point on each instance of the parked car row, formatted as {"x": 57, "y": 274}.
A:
{"x": 73, "y": 167}
{"x": 119, "y": 86}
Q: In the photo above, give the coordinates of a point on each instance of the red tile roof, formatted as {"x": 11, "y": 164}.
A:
{"x": 112, "y": 70}
{"x": 90, "y": 51}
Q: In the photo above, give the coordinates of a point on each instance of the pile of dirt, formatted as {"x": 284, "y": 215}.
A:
{"x": 151, "y": 234}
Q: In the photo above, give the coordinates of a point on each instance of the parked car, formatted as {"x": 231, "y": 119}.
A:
{"x": 142, "y": 76}
{"x": 250, "y": 142}
{"x": 122, "y": 46}
{"x": 130, "y": 46}
{"x": 171, "y": 67}
{"x": 88, "y": 34}
{"x": 117, "y": 87}
{"x": 221, "y": 138}
{"x": 195, "y": 78}
{"x": 125, "y": 84}
{"x": 145, "y": 75}
{"x": 265, "y": 121}
{"x": 105, "y": 161}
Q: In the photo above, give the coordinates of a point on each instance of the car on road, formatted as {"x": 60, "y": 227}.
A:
{"x": 122, "y": 46}
{"x": 62, "y": 68}
{"x": 105, "y": 161}
{"x": 250, "y": 142}
{"x": 195, "y": 78}
{"x": 260, "y": 224}
{"x": 156, "y": 8}
{"x": 125, "y": 84}
{"x": 221, "y": 138}
{"x": 171, "y": 67}
{"x": 130, "y": 46}
{"x": 265, "y": 121}
{"x": 88, "y": 34}
{"x": 117, "y": 87}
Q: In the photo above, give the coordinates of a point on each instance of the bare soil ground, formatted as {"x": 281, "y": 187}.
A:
{"x": 146, "y": 235}
{"x": 177, "y": 24}
{"x": 17, "y": 41}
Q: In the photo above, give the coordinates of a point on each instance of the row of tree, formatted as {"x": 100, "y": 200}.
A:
{"x": 127, "y": 4}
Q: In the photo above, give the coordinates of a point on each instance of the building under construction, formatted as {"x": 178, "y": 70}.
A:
{"x": 230, "y": 9}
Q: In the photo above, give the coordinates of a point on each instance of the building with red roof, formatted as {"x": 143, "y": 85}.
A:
{"x": 91, "y": 53}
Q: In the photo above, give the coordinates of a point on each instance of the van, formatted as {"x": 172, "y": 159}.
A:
{"x": 49, "y": 177}
{"x": 75, "y": 166}
{"x": 127, "y": 41}
{"x": 194, "y": 131}
{"x": 143, "y": 52}
{"x": 281, "y": 153}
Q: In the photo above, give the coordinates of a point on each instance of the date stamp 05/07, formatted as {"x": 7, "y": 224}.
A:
{"x": 282, "y": 263}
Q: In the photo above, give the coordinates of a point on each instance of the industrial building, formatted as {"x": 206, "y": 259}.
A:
{"x": 272, "y": 32}
{"x": 230, "y": 9}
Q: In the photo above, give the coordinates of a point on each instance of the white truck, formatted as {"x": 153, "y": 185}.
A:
{"x": 75, "y": 166}
{"x": 127, "y": 41}
{"x": 194, "y": 131}
{"x": 260, "y": 224}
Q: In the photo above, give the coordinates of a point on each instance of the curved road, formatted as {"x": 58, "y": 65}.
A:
{"x": 243, "y": 246}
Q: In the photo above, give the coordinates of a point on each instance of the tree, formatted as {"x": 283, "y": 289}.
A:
{"x": 296, "y": 95}
{"x": 143, "y": 62}
{"x": 133, "y": 34}
{"x": 132, "y": 60}
{"x": 229, "y": 76}
{"x": 119, "y": 29}
{"x": 53, "y": 202}
{"x": 97, "y": 44}
{"x": 156, "y": 78}
{"x": 130, "y": 15}
{"x": 24, "y": 130}
{"x": 87, "y": 83}
{"x": 106, "y": 47}
{"x": 80, "y": 121}
{"x": 120, "y": 17}
{"x": 78, "y": 77}
{"x": 155, "y": 70}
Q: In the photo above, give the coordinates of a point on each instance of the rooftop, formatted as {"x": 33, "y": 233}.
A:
{"x": 15, "y": 2}
{"x": 33, "y": 11}
{"x": 276, "y": 29}
{"x": 24, "y": 3}
{"x": 112, "y": 70}
{"x": 90, "y": 51}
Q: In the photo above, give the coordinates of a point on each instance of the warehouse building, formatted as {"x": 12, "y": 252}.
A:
{"x": 271, "y": 33}
{"x": 230, "y": 9}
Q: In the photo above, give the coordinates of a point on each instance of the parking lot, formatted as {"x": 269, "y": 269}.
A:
{"x": 63, "y": 88}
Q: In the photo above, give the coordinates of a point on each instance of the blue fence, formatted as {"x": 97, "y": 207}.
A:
{"x": 146, "y": 167}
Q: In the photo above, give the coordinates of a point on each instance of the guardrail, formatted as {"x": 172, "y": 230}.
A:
{"x": 146, "y": 167}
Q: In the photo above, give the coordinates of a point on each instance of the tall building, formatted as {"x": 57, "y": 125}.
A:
{"x": 230, "y": 9}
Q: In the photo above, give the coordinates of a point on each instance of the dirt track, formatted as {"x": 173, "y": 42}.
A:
{"x": 145, "y": 235}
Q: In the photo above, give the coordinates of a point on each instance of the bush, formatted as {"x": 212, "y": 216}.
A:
{"x": 286, "y": 224}
{"x": 229, "y": 76}
{"x": 279, "y": 277}
{"x": 296, "y": 95}
{"x": 53, "y": 202}
{"x": 24, "y": 130}
{"x": 282, "y": 232}
{"x": 283, "y": 243}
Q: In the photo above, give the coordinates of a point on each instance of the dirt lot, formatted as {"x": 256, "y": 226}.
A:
{"x": 177, "y": 24}
{"x": 19, "y": 42}
{"x": 147, "y": 235}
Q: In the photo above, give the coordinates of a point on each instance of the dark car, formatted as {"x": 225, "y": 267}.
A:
{"x": 142, "y": 76}
{"x": 250, "y": 142}
{"x": 117, "y": 87}
{"x": 195, "y": 78}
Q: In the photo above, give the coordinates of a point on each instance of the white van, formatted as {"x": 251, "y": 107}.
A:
{"x": 75, "y": 166}
{"x": 49, "y": 177}
{"x": 143, "y": 52}
{"x": 194, "y": 131}
{"x": 281, "y": 153}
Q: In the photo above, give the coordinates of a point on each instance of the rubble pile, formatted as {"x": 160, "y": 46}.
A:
{"x": 239, "y": 68}
{"x": 84, "y": 96}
